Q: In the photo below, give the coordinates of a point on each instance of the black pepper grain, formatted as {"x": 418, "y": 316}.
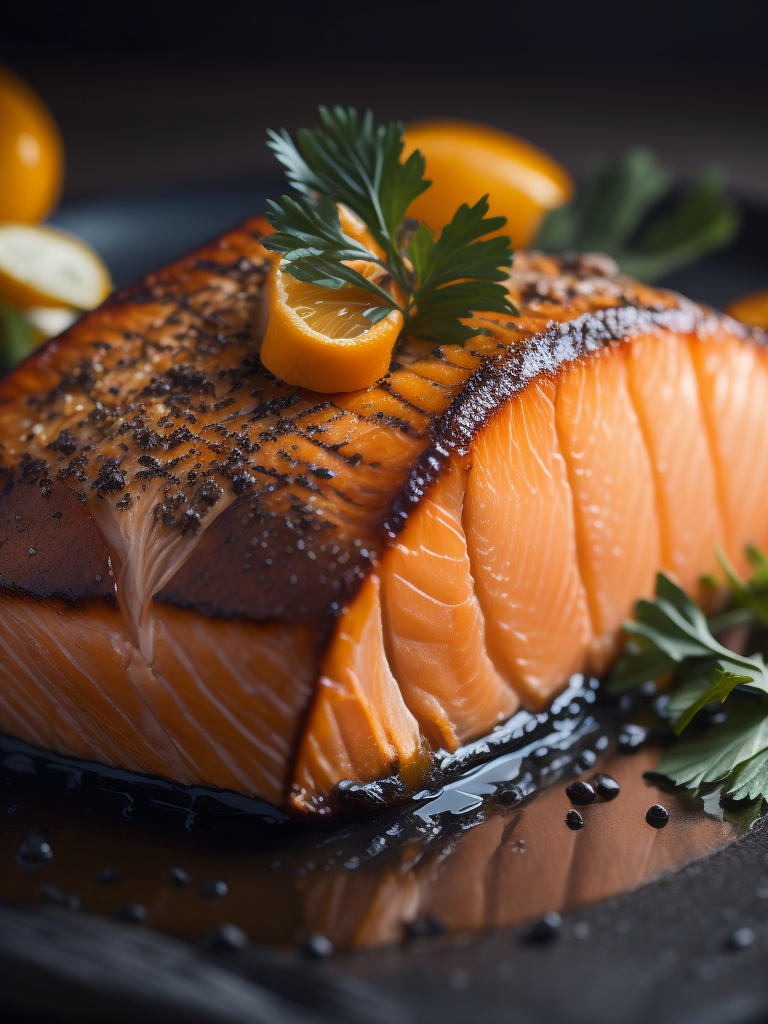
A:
{"x": 216, "y": 887}
{"x": 226, "y": 938}
{"x": 574, "y": 821}
{"x": 631, "y": 738}
{"x": 424, "y": 927}
{"x": 318, "y": 947}
{"x": 546, "y": 929}
{"x": 657, "y": 816}
{"x": 133, "y": 913}
{"x": 740, "y": 939}
{"x": 580, "y": 793}
{"x": 178, "y": 875}
{"x": 606, "y": 786}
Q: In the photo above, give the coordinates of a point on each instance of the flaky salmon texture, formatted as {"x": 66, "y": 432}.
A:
{"x": 211, "y": 576}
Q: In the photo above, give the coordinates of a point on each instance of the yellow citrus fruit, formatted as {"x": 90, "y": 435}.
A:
{"x": 466, "y": 160}
{"x": 320, "y": 339}
{"x": 43, "y": 266}
{"x": 751, "y": 309}
{"x": 31, "y": 153}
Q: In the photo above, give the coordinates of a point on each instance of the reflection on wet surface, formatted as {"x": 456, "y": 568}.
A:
{"x": 490, "y": 865}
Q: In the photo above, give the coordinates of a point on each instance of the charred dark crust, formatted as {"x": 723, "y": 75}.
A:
{"x": 49, "y": 546}
{"x": 500, "y": 379}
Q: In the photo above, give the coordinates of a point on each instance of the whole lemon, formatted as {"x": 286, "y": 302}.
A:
{"x": 31, "y": 153}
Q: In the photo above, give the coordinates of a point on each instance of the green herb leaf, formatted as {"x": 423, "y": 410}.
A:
{"x": 352, "y": 161}
{"x": 615, "y": 201}
{"x": 460, "y": 253}
{"x": 723, "y": 752}
{"x": 17, "y": 337}
{"x": 671, "y": 634}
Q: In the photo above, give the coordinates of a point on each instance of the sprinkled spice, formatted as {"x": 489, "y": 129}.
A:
{"x": 606, "y": 786}
{"x": 574, "y": 821}
{"x": 424, "y": 927}
{"x": 215, "y": 887}
{"x": 657, "y": 816}
{"x": 225, "y": 939}
{"x": 318, "y": 947}
{"x": 34, "y": 851}
{"x": 580, "y": 793}
{"x": 740, "y": 939}
{"x": 631, "y": 738}
{"x": 546, "y": 929}
{"x": 587, "y": 759}
{"x": 51, "y": 894}
{"x": 178, "y": 875}
{"x": 108, "y": 876}
{"x": 133, "y": 913}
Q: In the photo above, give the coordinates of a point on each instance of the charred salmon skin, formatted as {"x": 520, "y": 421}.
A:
{"x": 209, "y": 575}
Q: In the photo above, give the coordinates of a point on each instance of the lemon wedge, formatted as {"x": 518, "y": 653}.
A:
{"x": 43, "y": 266}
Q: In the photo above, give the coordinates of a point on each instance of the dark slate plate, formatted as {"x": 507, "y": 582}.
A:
{"x": 659, "y": 952}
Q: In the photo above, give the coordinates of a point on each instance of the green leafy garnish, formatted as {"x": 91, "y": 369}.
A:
{"x": 17, "y": 337}
{"x": 351, "y": 160}
{"x": 613, "y": 213}
{"x": 671, "y": 635}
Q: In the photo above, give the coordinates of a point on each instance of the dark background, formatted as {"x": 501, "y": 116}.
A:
{"x": 169, "y": 95}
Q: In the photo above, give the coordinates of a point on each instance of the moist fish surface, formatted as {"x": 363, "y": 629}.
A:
{"x": 212, "y": 576}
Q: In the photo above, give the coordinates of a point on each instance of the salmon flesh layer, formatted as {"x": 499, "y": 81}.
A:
{"x": 211, "y": 576}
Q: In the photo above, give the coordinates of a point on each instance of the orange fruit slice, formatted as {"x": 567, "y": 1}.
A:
{"x": 31, "y": 153}
{"x": 751, "y": 309}
{"x": 43, "y": 266}
{"x": 466, "y": 161}
{"x": 320, "y": 339}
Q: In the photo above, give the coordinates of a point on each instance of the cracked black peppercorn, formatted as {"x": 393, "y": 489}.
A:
{"x": 606, "y": 786}
{"x": 546, "y": 929}
{"x": 580, "y": 793}
{"x": 574, "y": 821}
{"x": 318, "y": 947}
{"x": 657, "y": 816}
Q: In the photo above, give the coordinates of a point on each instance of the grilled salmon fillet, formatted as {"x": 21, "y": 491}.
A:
{"x": 209, "y": 575}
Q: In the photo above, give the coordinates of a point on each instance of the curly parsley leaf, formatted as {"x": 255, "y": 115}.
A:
{"x": 17, "y": 337}
{"x": 458, "y": 273}
{"x": 352, "y": 161}
{"x": 672, "y": 635}
{"x": 616, "y": 201}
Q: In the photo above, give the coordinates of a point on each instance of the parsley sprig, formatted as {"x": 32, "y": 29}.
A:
{"x": 671, "y": 635}
{"x": 627, "y": 210}
{"x": 351, "y": 160}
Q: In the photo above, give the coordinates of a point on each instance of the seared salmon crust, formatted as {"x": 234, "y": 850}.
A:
{"x": 212, "y": 576}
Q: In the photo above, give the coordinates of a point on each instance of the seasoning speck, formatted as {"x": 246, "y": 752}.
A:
{"x": 318, "y": 947}
{"x": 546, "y": 929}
{"x": 424, "y": 927}
{"x": 606, "y": 786}
{"x": 587, "y": 760}
{"x": 631, "y": 738}
{"x": 62, "y": 899}
{"x": 178, "y": 875}
{"x": 34, "y": 851}
{"x": 225, "y": 939}
{"x": 214, "y": 888}
{"x": 657, "y": 816}
{"x": 33, "y": 551}
{"x": 574, "y": 821}
{"x": 108, "y": 876}
{"x": 580, "y": 793}
{"x": 740, "y": 939}
{"x": 133, "y": 913}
